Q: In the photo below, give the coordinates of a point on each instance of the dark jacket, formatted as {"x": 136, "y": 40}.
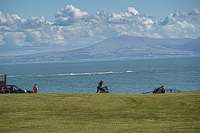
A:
{"x": 99, "y": 86}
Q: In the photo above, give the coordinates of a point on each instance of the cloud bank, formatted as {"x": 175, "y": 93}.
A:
{"x": 74, "y": 28}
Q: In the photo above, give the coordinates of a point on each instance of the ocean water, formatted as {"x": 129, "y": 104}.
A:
{"x": 127, "y": 76}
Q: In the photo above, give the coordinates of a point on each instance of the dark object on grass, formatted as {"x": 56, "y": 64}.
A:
{"x": 166, "y": 91}
{"x": 13, "y": 89}
{"x": 104, "y": 89}
{"x": 159, "y": 90}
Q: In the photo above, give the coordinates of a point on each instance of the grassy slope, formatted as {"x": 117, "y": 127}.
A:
{"x": 178, "y": 112}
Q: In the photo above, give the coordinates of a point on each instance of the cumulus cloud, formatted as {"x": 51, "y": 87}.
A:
{"x": 74, "y": 28}
{"x": 129, "y": 15}
{"x": 7, "y": 19}
{"x": 173, "y": 18}
{"x": 70, "y": 16}
{"x": 195, "y": 11}
{"x": 133, "y": 11}
{"x": 35, "y": 22}
{"x": 1, "y": 40}
{"x": 74, "y": 16}
{"x": 169, "y": 20}
{"x": 16, "y": 38}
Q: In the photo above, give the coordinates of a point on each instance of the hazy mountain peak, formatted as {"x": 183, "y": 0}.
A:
{"x": 115, "y": 48}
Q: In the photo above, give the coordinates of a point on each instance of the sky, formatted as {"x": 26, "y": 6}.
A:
{"x": 37, "y": 26}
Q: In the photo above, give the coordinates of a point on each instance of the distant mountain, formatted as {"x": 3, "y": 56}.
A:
{"x": 122, "y": 47}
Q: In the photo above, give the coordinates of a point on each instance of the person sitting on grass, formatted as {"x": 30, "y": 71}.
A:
{"x": 159, "y": 90}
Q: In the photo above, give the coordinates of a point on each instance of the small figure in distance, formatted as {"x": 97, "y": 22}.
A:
{"x": 159, "y": 90}
{"x": 162, "y": 89}
{"x": 100, "y": 85}
{"x": 35, "y": 88}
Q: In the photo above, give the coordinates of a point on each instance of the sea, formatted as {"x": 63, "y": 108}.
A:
{"x": 120, "y": 76}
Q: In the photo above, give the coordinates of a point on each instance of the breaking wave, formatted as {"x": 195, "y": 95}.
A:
{"x": 94, "y": 73}
{"x": 71, "y": 74}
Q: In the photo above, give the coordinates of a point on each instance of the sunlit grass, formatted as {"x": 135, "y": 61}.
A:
{"x": 177, "y": 112}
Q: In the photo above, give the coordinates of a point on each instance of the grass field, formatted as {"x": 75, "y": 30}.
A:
{"x": 113, "y": 113}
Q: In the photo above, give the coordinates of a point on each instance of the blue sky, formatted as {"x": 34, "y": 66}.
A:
{"x": 32, "y": 26}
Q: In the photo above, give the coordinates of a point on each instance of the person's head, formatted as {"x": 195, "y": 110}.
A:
{"x": 102, "y": 81}
{"x": 35, "y": 84}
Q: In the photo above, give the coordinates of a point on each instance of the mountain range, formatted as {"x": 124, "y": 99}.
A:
{"x": 117, "y": 48}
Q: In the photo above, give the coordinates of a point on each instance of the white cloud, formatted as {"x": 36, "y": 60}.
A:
{"x": 186, "y": 26}
{"x": 74, "y": 28}
{"x": 148, "y": 21}
{"x": 1, "y": 40}
{"x": 132, "y": 10}
{"x": 71, "y": 11}
{"x": 70, "y": 16}
{"x": 16, "y": 38}
{"x": 33, "y": 36}
{"x": 195, "y": 11}
{"x": 74, "y": 16}
{"x": 6, "y": 19}
{"x": 169, "y": 20}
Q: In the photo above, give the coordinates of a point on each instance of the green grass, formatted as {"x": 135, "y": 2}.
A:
{"x": 46, "y": 113}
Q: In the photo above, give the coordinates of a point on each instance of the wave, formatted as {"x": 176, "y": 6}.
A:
{"x": 95, "y": 73}
{"x": 129, "y": 71}
{"x": 71, "y": 74}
